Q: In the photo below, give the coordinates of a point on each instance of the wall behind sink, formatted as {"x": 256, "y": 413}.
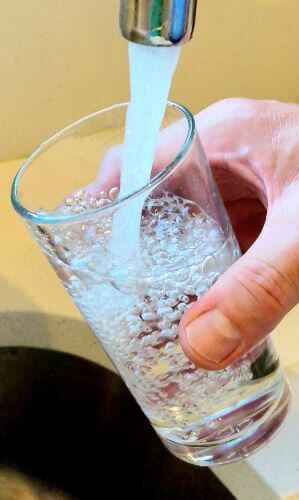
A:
{"x": 61, "y": 59}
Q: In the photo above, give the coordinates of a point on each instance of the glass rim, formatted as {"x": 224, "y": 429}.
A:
{"x": 46, "y": 218}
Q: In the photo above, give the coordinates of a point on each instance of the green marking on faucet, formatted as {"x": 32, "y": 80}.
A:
{"x": 156, "y": 17}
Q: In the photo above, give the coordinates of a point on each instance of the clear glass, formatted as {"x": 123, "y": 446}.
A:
{"x": 67, "y": 193}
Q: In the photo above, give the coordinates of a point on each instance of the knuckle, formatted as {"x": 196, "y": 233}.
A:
{"x": 268, "y": 285}
{"x": 113, "y": 153}
{"x": 246, "y": 107}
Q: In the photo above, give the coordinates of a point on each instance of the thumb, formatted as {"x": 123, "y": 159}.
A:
{"x": 247, "y": 302}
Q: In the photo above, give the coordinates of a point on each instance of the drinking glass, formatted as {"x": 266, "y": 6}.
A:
{"x": 67, "y": 192}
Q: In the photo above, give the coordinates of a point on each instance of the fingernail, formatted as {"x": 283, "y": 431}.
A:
{"x": 212, "y": 336}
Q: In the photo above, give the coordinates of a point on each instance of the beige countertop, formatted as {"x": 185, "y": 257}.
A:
{"x": 35, "y": 310}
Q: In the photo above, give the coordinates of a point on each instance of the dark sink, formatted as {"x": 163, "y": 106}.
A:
{"x": 69, "y": 429}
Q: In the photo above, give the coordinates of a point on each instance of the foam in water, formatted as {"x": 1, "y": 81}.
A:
{"x": 151, "y": 71}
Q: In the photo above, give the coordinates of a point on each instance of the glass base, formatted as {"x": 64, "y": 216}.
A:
{"x": 238, "y": 447}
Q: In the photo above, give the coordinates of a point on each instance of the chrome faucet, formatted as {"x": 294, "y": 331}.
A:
{"x": 158, "y": 23}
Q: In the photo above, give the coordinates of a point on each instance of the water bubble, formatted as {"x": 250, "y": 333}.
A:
{"x": 148, "y": 316}
{"x": 113, "y": 193}
{"x": 170, "y": 302}
{"x": 182, "y": 307}
{"x": 164, "y": 310}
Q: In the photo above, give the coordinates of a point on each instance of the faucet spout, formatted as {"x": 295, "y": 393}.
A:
{"x": 157, "y": 23}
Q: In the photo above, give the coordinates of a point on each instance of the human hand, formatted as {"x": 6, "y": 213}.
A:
{"x": 253, "y": 149}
